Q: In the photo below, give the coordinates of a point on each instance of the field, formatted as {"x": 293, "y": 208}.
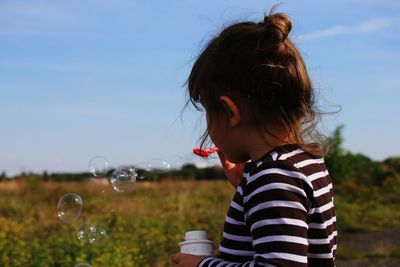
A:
{"x": 144, "y": 227}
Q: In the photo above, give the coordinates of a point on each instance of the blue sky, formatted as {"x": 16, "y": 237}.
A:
{"x": 97, "y": 77}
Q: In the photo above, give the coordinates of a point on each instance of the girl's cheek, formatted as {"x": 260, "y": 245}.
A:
{"x": 208, "y": 120}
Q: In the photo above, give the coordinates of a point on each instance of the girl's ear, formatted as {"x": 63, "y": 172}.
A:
{"x": 232, "y": 109}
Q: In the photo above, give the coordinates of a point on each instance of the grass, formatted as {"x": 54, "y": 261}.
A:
{"x": 144, "y": 227}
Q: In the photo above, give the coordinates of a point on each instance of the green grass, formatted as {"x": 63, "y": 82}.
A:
{"x": 145, "y": 226}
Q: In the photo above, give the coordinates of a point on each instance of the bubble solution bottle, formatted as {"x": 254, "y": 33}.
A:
{"x": 196, "y": 243}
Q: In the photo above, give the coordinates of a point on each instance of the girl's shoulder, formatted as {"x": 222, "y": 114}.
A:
{"x": 285, "y": 156}
{"x": 288, "y": 163}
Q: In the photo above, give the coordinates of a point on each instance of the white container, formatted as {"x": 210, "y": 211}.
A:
{"x": 196, "y": 243}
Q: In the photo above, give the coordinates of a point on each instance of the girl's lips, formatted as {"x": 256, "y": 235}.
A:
{"x": 205, "y": 152}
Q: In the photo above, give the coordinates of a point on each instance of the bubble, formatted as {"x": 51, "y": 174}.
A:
{"x": 159, "y": 166}
{"x": 98, "y": 166}
{"x": 100, "y": 234}
{"x": 142, "y": 170}
{"x": 91, "y": 234}
{"x": 83, "y": 265}
{"x": 85, "y": 231}
{"x": 69, "y": 207}
{"x": 123, "y": 179}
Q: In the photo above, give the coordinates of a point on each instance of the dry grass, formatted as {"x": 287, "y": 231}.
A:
{"x": 144, "y": 227}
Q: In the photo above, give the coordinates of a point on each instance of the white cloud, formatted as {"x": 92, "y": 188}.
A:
{"x": 79, "y": 67}
{"x": 92, "y": 110}
{"x": 71, "y": 19}
{"x": 32, "y": 11}
{"x": 38, "y": 18}
{"x": 372, "y": 25}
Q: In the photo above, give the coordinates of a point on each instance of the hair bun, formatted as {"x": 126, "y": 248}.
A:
{"x": 278, "y": 26}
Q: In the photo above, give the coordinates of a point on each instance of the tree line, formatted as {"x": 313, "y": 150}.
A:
{"x": 344, "y": 167}
{"x": 187, "y": 172}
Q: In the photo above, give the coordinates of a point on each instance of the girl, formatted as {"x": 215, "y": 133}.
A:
{"x": 253, "y": 84}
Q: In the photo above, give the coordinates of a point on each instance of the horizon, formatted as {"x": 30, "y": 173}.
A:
{"x": 107, "y": 78}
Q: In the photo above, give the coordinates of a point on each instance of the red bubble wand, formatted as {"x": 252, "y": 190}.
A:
{"x": 205, "y": 152}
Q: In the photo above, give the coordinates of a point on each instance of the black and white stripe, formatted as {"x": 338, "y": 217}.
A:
{"x": 281, "y": 215}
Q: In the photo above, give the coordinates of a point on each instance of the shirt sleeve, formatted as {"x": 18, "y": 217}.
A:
{"x": 276, "y": 203}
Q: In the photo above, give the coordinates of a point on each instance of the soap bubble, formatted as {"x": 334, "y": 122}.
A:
{"x": 100, "y": 235}
{"x": 123, "y": 179}
{"x": 69, "y": 207}
{"x": 86, "y": 231}
{"x": 98, "y": 166}
{"x": 142, "y": 170}
{"x": 83, "y": 265}
{"x": 91, "y": 234}
{"x": 159, "y": 166}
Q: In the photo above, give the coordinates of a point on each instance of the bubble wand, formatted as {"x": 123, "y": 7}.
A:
{"x": 205, "y": 152}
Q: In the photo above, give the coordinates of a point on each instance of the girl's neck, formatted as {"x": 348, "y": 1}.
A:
{"x": 260, "y": 143}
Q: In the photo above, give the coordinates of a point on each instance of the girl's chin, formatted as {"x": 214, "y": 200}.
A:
{"x": 240, "y": 158}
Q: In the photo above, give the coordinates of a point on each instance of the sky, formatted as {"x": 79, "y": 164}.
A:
{"x": 85, "y": 78}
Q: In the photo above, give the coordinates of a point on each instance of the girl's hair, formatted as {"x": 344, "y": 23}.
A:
{"x": 259, "y": 66}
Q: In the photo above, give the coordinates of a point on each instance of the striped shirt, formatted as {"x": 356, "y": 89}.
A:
{"x": 281, "y": 215}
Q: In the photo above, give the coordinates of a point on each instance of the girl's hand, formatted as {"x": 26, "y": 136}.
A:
{"x": 233, "y": 171}
{"x": 186, "y": 260}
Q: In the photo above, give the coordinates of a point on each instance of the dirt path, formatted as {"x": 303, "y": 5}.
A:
{"x": 371, "y": 249}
